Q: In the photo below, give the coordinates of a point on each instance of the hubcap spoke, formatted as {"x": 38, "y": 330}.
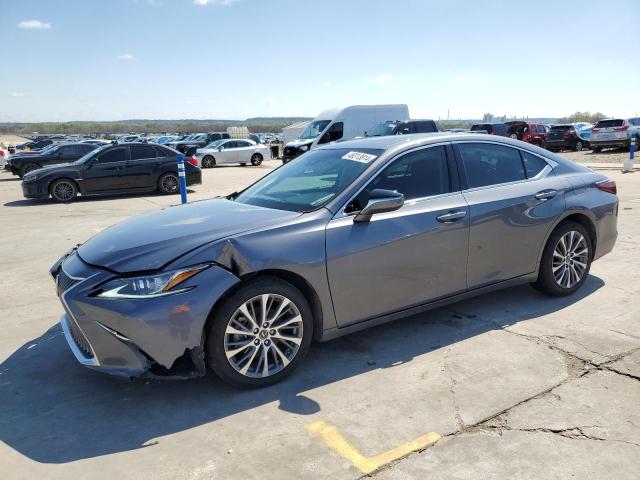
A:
{"x": 570, "y": 259}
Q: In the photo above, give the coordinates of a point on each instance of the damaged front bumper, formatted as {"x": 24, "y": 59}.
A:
{"x": 132, "y": 337}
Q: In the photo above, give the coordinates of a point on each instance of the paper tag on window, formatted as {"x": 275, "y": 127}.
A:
{"x": 359, "y": 157}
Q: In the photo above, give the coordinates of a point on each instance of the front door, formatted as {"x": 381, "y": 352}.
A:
{"x": 228, "y": 152}
{"x": 403, "y": 258}
{"x": 105, "y": 172}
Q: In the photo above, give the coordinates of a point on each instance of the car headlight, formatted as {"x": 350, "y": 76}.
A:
{"x": 303, "y": 148}
{"x": 30, "y": 178}
{"x": 151, "y": 286}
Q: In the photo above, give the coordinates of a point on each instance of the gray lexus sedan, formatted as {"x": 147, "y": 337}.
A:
{"x": 349, "y": 235}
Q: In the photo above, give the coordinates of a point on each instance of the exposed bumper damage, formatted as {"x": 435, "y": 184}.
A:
{"x": 130, "y": 337}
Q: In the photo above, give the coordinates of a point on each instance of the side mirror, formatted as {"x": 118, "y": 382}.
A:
{"x": 380, "y": 201}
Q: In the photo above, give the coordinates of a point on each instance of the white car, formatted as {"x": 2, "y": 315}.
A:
{"x": 232, "y": 151}
{"x": 4, "y": 154}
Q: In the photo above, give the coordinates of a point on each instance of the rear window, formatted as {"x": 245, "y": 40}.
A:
{"x": 609, "y": 123}
{"x": 481, "y": 126}
{"x": 561, "y": 128}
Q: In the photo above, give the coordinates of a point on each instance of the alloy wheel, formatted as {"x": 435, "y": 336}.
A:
{"x": 169, "y": 183}
{"x": 263, "y": 335}
{"x": 63, "y": 191}
{"x": 256, "y": 159}
{"x": 570, "y": 259}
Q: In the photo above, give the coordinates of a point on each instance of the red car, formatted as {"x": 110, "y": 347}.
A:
{"x": 531, "y": 132}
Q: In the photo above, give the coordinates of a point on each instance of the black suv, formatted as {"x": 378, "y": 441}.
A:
{"x": 189, "y": 145}
{"x": 62, "y": 153}
{"x": 490, "y": 128}
{"x": 402, "y": 128}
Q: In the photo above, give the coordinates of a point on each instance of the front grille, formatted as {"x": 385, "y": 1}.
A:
{"x": 64, "y": 282}
{"x": 79, "y": 338}
{"x": 290, "y": 151}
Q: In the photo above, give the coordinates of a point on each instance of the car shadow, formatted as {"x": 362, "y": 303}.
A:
{"x": 32, "y": 202}
{"x": 56, "y": 411}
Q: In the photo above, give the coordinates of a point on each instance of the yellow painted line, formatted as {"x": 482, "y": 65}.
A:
{"x": 334, "y": 440}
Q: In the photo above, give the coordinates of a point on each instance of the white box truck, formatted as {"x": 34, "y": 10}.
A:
{"x": 342, "y": 124}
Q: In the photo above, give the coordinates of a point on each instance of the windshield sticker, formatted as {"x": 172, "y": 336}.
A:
{"x": 359, "y": 157}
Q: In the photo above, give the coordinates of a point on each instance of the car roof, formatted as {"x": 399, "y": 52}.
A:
{"x": 396, "y": 142}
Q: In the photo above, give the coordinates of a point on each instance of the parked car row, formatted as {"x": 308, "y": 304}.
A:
{"x": 608, "y": 133}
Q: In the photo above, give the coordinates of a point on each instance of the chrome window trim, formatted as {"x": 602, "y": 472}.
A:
{"x": 342, "y": 214}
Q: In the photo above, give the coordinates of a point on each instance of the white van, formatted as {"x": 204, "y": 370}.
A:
{"x": 342, "y": 123}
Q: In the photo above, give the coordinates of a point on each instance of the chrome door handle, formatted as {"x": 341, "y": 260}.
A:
{"x": 546, "y": 194}
{"x": 451, "y": 216}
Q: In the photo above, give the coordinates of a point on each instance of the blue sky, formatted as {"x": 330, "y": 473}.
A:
{"x": 122, "y": 59}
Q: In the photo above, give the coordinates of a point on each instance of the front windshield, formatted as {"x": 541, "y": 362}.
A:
{"x": 310, "y": 181}
{"x": 91, "y": 154}
{"x": 50, "y": 148}
{"x": 381, "y": 129}
{"x": 215, "y": 144}
{"x": 314, "y": 129}
{"x": 199, "y": 138}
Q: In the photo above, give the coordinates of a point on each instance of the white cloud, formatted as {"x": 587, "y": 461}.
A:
{"x": 382, "y": 78}
{"x": 214, "y": 2}
{"x": 16, "y": 94}
{"x": 34, "y": 24}
{"x": 126, "y": 56}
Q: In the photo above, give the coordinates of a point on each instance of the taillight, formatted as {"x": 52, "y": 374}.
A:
{"x": 607, "y": 186}
{"x": 622, "y": 128}
{"x": 1, "y": 153}
{"x": 193, "y": 161}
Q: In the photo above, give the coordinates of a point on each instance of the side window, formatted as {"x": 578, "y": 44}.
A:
{"x": 228, "y": 145}
{"x": 418, "y": 174}
{"x": 242, "y": 143}
{"x": 334, "y": 133}
{"x": 489, "y": 164}
{"x": 115, "y": 155}
{"x": 140, "y": 152}
{"x": 161, "y": 152}
{"x": 533, "y": 164}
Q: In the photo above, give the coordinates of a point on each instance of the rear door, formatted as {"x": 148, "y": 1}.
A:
{"x": 106, "y": 171}
{"x": 141, "y": 170}
{"x": 244, "y": 151}
{"x": 403, "y": 258}
{"x": 513, "y": 198}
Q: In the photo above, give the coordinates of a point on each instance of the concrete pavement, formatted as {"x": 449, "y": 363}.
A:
{"x": 509, "y": 385}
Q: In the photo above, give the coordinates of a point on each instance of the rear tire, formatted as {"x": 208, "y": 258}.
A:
{"x": 263, "y": 340}
{"x": 64, "y": 190}
{"x": 578, "y": 147}
{"x": 566, "y": 260}
{"x": 208, "y": 161}
{"x": 256, "y": 159}
{"x": 168, "y": 184}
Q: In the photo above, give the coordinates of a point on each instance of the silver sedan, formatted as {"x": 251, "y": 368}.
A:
{"x": 232, "y": 151}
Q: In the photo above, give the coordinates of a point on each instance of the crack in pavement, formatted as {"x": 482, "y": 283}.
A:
{"x": 576, "y": 368}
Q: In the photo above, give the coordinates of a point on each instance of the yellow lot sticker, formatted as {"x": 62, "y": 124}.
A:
{"x": 334, "y": 440}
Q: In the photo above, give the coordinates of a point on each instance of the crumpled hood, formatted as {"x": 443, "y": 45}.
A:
{"x": 151, "y": 240}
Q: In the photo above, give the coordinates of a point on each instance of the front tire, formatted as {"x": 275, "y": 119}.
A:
{"x": 64, "y": 190}
{"x": 256, "y": 159}
{"x": 578, "y": 146}
{"x": 168, "y": 183}
{"x": 259, "y": 334}
{"x": 566, "y": 260}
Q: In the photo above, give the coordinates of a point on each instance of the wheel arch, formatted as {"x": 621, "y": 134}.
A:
{"x": 54, "y": 180}
{"x": 573, "y": 216}
{"x": 294, "y": 279}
